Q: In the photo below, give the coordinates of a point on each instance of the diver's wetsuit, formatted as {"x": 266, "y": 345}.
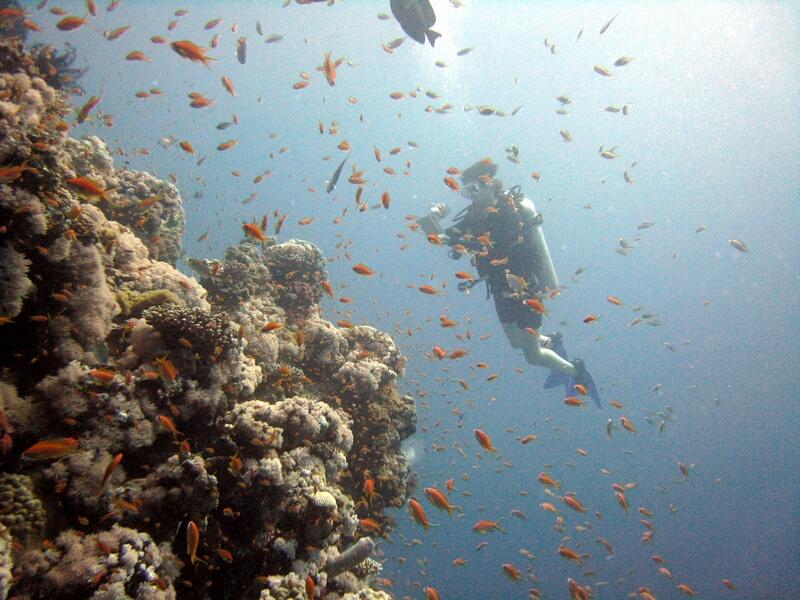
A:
{"x": 508, "y": 229}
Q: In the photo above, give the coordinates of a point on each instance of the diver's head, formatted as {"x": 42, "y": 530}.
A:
{"x": 478, "y": 183}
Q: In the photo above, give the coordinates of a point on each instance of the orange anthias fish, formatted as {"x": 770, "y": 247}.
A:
{"x": 228, "y": 85}
{"x": 570, "y": 554}
{"x": 363, "y": 269}
{"x": 368, "y": 489}
{"x": 70, "y": 23}
{"x": 329, "y": 69}
{"x": 418, "y": 513}
{"x": 512, "y": 572}
{"x": 89, "y": 187}
{"x": 547, "y": 480}
{"x": 370, "y": 525}
{"x": 83, "y": 113}
{"x": 50, "y": 449}
{"x": 445, "y": 322}
{"x": 484, "y": 440}
{"x": 573, "y": 503}
{"x": 439, "y": 500}
{"x": 193, "y": 541}
{"x": 622, "y": 500}
{"x": 578, "y": 592}
{"x": 311, "y": 588}
{"x": 432, "y": 594}
{"x": 112, "y": 466}
{"x": 169, "y": 425}
{"x": 536, "y": 305}
{"x": 192, "y": 51}
{"x": 254, "y": 232}
{"x": 487, "y": 526}
{"x": 452, "y": 184}
{"x": 167, "y": 370}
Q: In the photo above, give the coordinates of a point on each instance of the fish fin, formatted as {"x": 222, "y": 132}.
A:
{"x": 432, "y": 35}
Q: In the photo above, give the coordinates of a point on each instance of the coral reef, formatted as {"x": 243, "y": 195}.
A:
{"x": 14, "y": 282}
{"x": 162, "y": 437}
{"x": 6, "y": 562}
{"x": 150, "y": 207}
{"x": 21, "y": 511}
{"x": 119, "y": 563}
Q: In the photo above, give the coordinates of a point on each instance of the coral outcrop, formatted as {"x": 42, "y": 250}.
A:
{"x": 160, "y": 436}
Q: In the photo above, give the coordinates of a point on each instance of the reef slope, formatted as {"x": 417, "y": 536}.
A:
{"x": 165, "y": 435}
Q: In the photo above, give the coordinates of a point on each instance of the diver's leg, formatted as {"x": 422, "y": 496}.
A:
{"x": 534, "y": 353}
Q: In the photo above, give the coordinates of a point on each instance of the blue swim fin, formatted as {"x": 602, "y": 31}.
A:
{"x": 585, "y": 378}
{"x": 556, "y": 378}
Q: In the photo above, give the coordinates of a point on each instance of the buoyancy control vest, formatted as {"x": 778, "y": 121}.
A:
{"x": 507, "y": 229}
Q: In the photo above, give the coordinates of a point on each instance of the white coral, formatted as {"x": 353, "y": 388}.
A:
{"x": 14, "y": 282}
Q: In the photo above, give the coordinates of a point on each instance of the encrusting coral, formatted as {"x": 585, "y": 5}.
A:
{"x": 162, "y": 437}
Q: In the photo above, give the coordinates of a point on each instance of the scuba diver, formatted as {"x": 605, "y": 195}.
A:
{"x": 501, "y": 230}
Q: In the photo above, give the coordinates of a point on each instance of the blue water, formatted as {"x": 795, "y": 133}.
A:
{"x": 714, "y": 124}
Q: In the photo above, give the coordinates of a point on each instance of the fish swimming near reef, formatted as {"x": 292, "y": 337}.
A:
{"x": 416, "y": 17}
{"x": 335, "y": 177}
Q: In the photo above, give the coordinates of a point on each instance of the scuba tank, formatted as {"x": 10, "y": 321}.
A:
{"x": 545, "y": 273}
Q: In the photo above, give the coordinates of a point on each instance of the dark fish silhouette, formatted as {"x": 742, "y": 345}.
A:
{"x": 416, "y": 17}
{"x": 335, "y": 177}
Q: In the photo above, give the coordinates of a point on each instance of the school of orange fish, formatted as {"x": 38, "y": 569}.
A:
{"x": 199, "y": 47}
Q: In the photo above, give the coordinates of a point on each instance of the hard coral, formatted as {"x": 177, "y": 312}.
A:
{"x": 298, "y": 268}
{"x": 240, "y": 276}
{"x": 179, "y": 488}
{"x": 14, "y": 282}
{"x": 21, "y": 510}
{"x": 150, "y": 207}
{"x": 28, "y": 106}
{"x": 6, "y": 562}
{"x": 121, "y": 563}
{"x": 207, "y": 333}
